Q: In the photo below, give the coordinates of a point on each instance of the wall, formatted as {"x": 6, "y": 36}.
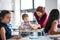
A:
{"x": 17, "y": 13}
{"x": 50, "y": 4}
{"x": 6, "y": 4}
{"x": 58, "y": 4}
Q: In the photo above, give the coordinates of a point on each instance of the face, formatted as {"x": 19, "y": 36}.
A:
{"x": 39, "y": 14}
{"x": 6, "y": 18}
{"x": 26, "y": 19}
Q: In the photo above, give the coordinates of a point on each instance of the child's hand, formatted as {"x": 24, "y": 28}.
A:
{"x": 21, "y": 28}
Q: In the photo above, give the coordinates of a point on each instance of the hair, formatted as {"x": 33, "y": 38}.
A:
{"x": 24, "y": 15}
{"x": 54, "y": 15}
{"x": 3, "y": 13}
{"x": 40, "y": 9}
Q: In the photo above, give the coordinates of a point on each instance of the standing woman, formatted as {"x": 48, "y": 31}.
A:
{"x": 5, "y": 32}
{"x": 40, "y": 16}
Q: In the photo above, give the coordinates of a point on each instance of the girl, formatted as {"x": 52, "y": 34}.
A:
{"x": 52, "y": 23}
{"x": 5, "y": 32}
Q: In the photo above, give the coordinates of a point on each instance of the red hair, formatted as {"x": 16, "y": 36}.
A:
{"x": 40, "y": 9}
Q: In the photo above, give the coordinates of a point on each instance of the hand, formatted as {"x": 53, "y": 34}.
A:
{"x": 21, "y": 28}
{"x": 34, "y": 27}
{"x": 17, "y": 37}
{"x": 38, "y": 26}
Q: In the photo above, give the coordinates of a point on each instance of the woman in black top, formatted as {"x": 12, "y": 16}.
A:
{"x": 5, "y": 32}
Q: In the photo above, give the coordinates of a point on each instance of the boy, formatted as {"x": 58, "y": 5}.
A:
{"x": 26, "y": 24}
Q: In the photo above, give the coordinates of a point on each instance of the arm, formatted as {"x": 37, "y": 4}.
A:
{"x": 21, "y": 27}
{"x": 2, "y": 33}
{"x": 44, "y": 20}
{"x": 52, "y": 29}
{"x": 37, "y": 24}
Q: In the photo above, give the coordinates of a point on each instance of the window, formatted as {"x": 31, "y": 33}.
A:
{"x": 26, "y": 4}
{"x": 26, "y": 7}
{"x": 39, "y": 3}
{"x": 29, "y": 6}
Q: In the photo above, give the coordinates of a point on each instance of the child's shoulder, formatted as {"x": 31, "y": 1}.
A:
{"x": 22, "y": 23}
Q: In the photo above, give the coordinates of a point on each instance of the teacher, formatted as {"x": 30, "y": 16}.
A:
{"x": 40, "y": 16}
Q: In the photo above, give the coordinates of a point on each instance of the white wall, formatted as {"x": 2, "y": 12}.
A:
{"x": 5, "y": 4}
{"x": 58, "y": 4}
{"x": 17, "y": 12}
{"x": 50, "y": 4}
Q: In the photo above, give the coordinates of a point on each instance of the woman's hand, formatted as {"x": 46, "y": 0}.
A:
{"x": 38, "y": 26}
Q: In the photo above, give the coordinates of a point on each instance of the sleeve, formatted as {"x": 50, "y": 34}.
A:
{"x": 56, "y": 28}
{"x": 44, "y": 20}
{"x": 23, "y": 25}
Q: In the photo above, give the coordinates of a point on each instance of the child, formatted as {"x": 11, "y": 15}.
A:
{"x": 26, "y": 24}
{"x": 52, "y": 23}
{"x": 5, "y": 32}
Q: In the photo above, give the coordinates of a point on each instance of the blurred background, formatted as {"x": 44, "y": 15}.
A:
{"x": 19, "y": 7}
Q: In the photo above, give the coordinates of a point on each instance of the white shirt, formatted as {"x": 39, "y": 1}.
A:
{"x": 56, "y": 29}
{"x": 25, "y": 25}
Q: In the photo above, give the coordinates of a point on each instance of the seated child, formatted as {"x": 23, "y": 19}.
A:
{"x": 26, "y": 24}
{"x": 52, "y": 23}
{"x": 5, "y": 31}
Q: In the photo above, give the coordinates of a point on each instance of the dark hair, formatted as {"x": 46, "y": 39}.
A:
{"x": 54, "y": 15}
{"x": 40, "y": 9}
{"x": 3, "y": 13}
{"x": 24, "y": 15}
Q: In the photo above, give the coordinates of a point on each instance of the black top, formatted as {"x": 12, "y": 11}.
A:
{"x": 8, "y": 31}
